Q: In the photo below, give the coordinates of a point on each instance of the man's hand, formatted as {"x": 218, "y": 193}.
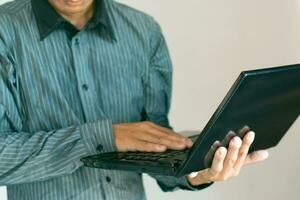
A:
{"x": 148, "y": 137}
{"x": 228, "y": 163}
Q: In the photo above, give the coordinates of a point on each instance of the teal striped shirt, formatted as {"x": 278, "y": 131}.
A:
{"x": 61, "y": 93}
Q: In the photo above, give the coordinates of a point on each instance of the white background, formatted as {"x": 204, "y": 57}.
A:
{"x": 211, "y": 42}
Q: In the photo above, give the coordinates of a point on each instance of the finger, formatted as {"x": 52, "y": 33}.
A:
{"x": 148, "y": 146}
{"x": 169, "y": 134}
{"x": 218, "y": 161}
{"x": 225, "y": 142}
{"x": 216, "y": 144}
{"x": 256, "y": 156}
{"x": 161, "y": 140}
{"x": 243, "y": 131}
{"x": 247, "y": 141}
{"x": 166, "y": 130}
{"x": 211, "y": 153}
{"x": 232, "y": 155}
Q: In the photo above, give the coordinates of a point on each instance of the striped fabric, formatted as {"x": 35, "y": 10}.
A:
{"x": 60, "y": 97}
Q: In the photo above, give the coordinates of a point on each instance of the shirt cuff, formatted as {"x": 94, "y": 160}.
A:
{"x": 184, "y": 184}
{"x": 98, "y": 136}
{"x": 170, "y": 183}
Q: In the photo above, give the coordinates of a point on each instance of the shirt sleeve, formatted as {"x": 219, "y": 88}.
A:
{"x": 37, "y": 156}
{"x": 168, "y": 183}
{"x": 158, "y": 91}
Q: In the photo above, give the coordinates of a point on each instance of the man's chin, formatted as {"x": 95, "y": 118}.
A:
{"x": 74, "y": 3}
{"x": 71, "y": 6}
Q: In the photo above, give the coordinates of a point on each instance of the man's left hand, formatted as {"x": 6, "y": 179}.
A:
{"x": 228, "y": 163}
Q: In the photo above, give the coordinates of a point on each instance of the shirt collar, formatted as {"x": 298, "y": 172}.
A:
{"x": 49, "y": 20}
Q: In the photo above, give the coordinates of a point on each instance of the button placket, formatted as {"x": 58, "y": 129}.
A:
{"x": 76, "y": 41}
{"x": 86, "y": 86}
{"x": 100, "y": 147}
{"x": 77, "y": 61}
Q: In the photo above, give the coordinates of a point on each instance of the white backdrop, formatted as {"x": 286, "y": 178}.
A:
{"x": 211, "y": 42}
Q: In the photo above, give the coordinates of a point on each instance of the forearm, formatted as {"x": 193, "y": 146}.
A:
{"x": 28, "y": 157}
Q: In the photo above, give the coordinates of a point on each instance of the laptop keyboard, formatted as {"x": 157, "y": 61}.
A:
{"x": 151, "y": 156}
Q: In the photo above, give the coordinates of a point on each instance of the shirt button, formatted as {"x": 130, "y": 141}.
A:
{"x": 76, "y": 41}
{"x": 85, "y": 87}
{"x": 108, "y": 179}
{"x": 100, "y": 147}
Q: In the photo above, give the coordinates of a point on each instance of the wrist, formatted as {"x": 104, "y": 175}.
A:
{"x": 197, "y": 178}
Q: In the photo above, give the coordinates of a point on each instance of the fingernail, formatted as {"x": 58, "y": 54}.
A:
{"x": 222, "y": 151}
{"x": 251, "y": 135}
{"x": 236, "y": 141}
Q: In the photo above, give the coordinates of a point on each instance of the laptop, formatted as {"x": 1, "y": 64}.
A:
{"x": 266, "y": 101}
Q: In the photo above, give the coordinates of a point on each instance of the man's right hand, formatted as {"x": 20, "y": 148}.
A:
{"x": 148, "y": 137}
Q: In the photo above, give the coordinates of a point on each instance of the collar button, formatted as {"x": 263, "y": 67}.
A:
{"x": 76, "y": 42}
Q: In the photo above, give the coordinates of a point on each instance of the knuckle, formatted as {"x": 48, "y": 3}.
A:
{"x": 220, "y": 157}
{"x": 140, "y": 125}
{"x": 234, "y": 147}
{"x": 231, "y": 162}
{"x": 166, "y": 142}
{"x": 214, "y": 172}
{"x": 148, "y": 123}
{"x": 159, "y": 140}
{"x": 242, "y": 153}
{"x": 171, "y": 136}
{"x": 144, "y": 125}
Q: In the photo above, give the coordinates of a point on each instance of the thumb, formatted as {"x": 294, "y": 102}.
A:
{"x": 256, "y": 156}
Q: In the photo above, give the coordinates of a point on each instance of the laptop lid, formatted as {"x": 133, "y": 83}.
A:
{"x": 266, "y": 100}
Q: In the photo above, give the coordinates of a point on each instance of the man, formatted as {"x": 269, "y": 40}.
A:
{"x": 80, "y": 77}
